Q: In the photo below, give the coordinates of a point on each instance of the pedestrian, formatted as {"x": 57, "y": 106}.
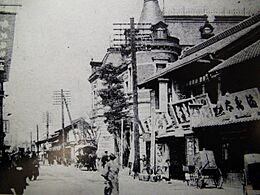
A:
{"x": 166, "y": 170}
{"x": 142, "y": 163}
{"x": 5, "y": 179}
{"x": 104, "y": 159}
{"x": 110, "y": 173}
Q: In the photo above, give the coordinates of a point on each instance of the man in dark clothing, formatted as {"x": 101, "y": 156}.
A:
{"x": 104, "y": 159}
{"x": 5, "y": 165}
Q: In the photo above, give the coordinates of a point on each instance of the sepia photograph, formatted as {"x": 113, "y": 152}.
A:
{"x": 129, "y": 97}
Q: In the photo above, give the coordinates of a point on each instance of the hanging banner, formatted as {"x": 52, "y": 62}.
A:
{"x": 7, "y": 23}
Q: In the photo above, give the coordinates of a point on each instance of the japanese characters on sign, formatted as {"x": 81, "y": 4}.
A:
{"x": 147, "y": 124}
{"x": 235, "y": 107}
{"x": 200, "y": 110}
{"x": 192, "y": 147}
{"x": 163, "y": 122}
{"x": 181, "y": 111}
{"x": 239, "y": 105}
{"x": 7, "y": 22}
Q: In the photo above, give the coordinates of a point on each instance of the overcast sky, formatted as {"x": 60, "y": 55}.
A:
{"x": 54, "y": 43}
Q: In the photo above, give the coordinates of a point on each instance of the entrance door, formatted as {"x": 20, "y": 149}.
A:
{"x": 177, "y": 157}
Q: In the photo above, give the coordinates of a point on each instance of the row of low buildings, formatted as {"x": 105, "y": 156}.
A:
{"x": 198, "y": 88}
{"x": 67, "y": 144}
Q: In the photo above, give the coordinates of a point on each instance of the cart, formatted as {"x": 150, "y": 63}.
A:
{"x": 251, "y": 183}
{"x": 86, "y": 157}
{"x": 205, "y": 170}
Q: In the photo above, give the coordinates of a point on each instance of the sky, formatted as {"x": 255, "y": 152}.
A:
{"x": 54, "y": 43}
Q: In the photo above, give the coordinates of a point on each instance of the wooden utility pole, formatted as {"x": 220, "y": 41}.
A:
{"x": 31, "y": 140}
{"x": 47, "y": 124}
{"x": 122, "y": 142}
{"x": 37, "y": 138}
{"x": 2, "y": 133}
{"x": 62, "y": 124}
{"x": 59, "y": 99}
{"x": 136, "y": 167}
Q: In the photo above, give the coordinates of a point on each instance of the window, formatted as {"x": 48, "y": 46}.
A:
{"x": 160, "y": 33}
{"x": 160, "y": 66}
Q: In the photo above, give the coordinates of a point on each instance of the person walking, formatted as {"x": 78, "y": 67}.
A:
{"x": 104, "y": 159}
{"x": 110, "y": 173}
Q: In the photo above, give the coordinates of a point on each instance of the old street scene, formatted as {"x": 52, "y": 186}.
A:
{"x": 153, "y": 97}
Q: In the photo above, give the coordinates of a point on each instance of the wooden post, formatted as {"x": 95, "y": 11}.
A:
{"x": 122, "y": 142}
{"x": 37, "y": 138}
{"x": 153, "y": 118}
{"x": 31, "y": 140}
{"x": 136, "y": 167}
{"x": 62, "y": 124}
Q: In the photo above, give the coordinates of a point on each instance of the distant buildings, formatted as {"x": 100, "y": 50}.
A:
{"x": 74, "y": 138}
{"x": 186, "y": 65}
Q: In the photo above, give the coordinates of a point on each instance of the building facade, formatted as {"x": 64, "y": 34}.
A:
{"x": 169, "y": 39}
{"x": 211, "y": 98}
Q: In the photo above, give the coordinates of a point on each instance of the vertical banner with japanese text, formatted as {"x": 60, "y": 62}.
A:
{"x": 7, "y": 24}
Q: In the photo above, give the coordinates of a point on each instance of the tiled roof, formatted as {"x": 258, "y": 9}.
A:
{"x": 212, "y": 45}
{"x": 246, "y": 54}
{"x": 242, "y": 25}
{"x": 186, "y": 29}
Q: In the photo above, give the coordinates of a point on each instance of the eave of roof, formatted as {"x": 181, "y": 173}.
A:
{"x": 248, "y": 53}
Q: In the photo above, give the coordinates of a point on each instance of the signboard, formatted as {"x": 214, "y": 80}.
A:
{"x": 200, "y": 110}
{"x": 147, "y": 124}
{"x": 7, "y": 22}
{"x": 239, "y": 105}
{"x": 192, "y": 147}
{"x": 6, "y": 124}
{"x": 181, "y": 111}
{"x": 231, "y": 108}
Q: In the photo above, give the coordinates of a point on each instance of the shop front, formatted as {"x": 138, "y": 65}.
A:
{"x": 232, "y": 131}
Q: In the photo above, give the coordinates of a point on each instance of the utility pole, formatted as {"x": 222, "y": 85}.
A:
{"x": 59, "y": 99}
{"x": 136, "y": 168}
{"x": 2, "y": 133}
{"x": 122, "y": 142}
{"x": 62, "y": 124}
{"x": 47, "y": 124}
{"x": 31, "y": 140}
{"x": 37, "y": 138}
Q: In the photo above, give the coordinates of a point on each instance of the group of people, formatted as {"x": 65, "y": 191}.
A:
{"x": 15, "y": 168}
